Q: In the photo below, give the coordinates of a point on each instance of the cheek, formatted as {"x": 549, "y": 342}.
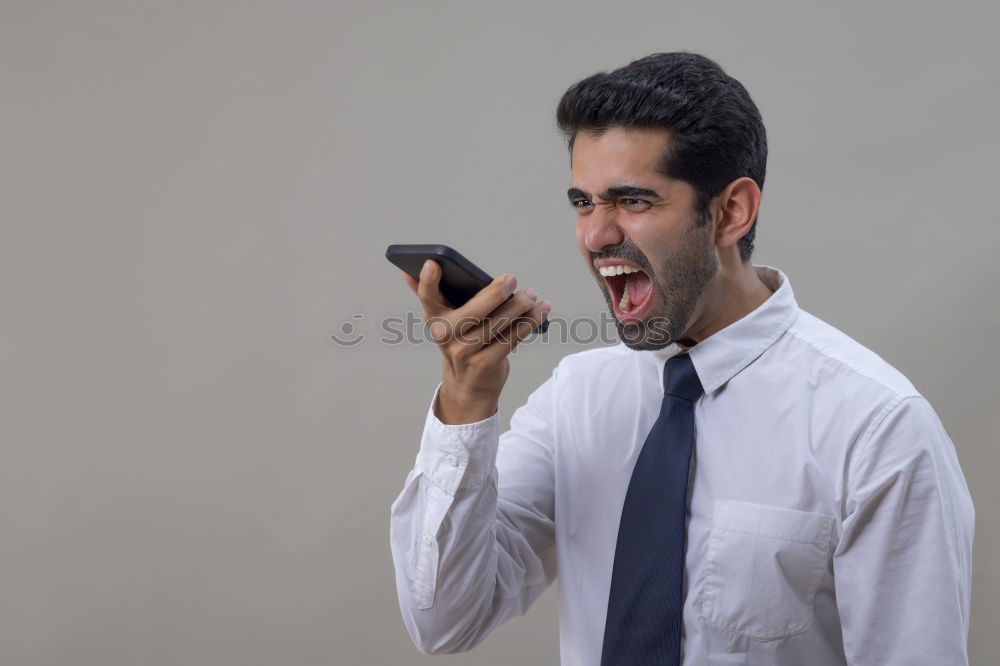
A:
{"x": 645, "y": 234}
{"x": 659, "y": 227}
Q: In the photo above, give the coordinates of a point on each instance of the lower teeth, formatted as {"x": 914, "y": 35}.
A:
{"x": 626, "y": 302}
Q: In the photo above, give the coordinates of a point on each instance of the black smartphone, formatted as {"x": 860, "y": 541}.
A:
{"x": 460, "y": 278}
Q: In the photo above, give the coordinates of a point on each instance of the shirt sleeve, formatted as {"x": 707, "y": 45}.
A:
{"x": 472, "y": 532}
{"x": 903, "y": 566}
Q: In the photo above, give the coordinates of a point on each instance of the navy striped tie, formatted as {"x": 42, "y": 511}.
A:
{"x": 647, "y": 581}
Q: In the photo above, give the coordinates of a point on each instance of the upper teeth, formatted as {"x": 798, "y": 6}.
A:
{"x": 617, "y": 270}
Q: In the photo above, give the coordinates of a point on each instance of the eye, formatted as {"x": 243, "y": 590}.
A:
{"x": 635, "y": 204}
{"x": 580, "y": 204}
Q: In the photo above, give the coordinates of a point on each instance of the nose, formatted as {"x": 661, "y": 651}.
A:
{"x": 599, "y": 230}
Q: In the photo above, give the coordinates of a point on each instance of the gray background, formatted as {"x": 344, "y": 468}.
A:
{"x": 196, "y": 195}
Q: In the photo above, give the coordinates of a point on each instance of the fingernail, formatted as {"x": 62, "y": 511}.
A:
{"x": 511, "y": 283}
{"x": 545, "y": 307}
{"x": 426, "y": 270}
{"x": 531, "y": 293}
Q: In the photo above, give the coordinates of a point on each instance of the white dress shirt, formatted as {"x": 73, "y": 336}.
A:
{"x": 829, "y": 521}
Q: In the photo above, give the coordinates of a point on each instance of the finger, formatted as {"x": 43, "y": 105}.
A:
{"x": 517, "y": 331}
{"x": 497, "y": 324}
{"x": 410, "y": 282}
{"x": 484, "y": 302}
{"x": 429, "y": 292}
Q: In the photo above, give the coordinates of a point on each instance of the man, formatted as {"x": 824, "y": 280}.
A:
{"x": 736, "y": 482}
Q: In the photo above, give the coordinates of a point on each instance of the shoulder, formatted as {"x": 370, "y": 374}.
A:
{"x": 898, "y": 421}
{"x": 832, "y": 356}
{"x": 594, "y": 362}
{"x": 844, "y": 390}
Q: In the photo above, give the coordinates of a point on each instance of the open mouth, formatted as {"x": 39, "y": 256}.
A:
{"x": 630, "y": 289}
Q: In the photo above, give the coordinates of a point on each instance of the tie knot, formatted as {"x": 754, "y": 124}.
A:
{"x": 680, "y": 379}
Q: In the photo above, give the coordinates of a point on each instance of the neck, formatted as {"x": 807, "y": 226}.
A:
{"x": 734, "y": 294}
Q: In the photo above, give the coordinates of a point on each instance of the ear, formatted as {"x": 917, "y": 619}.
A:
{"x": 738, "y": 204}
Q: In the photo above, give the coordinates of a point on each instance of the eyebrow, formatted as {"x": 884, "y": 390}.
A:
{"x": 612, "y": 192}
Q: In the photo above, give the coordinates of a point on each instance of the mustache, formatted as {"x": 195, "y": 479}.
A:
{"x": 625, "y": 251}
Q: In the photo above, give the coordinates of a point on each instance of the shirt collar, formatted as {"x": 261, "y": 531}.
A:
{"x": 720, "y": 356}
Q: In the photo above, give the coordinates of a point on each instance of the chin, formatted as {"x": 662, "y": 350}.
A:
{"x": 654, "y": 332}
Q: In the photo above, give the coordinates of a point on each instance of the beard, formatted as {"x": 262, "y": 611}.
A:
{"x": 678, "y": 283}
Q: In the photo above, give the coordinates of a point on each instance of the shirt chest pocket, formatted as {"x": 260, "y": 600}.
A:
{"x": 764, "y": 565}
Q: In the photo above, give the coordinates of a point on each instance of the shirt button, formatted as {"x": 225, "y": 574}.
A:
{"x": 452, "y": 460}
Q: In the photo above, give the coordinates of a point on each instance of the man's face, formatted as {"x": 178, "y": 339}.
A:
{"x": 632, "y": 216}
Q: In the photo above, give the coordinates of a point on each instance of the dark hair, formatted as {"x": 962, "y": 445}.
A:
{"x": 716, "y": 132}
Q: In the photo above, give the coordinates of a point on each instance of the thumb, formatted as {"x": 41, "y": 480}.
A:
{"x": 428, "y": 290}
{"x": 410, "y": 282}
